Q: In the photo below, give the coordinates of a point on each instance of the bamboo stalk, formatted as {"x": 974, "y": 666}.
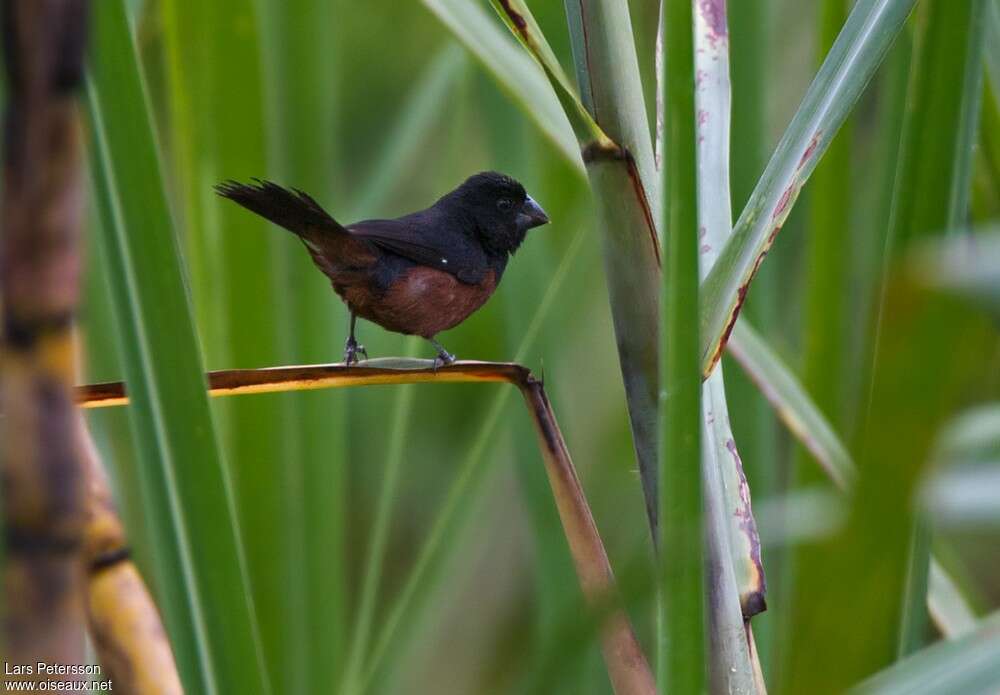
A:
{"x": 609, "y": 120}
{"x": 627, "y": 665}
{"x": 40, "y": 264}
{"x": 125, "y": 626}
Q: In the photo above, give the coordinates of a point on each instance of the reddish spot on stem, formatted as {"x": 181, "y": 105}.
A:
{"x": 754, "y": 602}
{"x": 515, "y": 17}
{"x": 741, "y": 295}
{"x": 782, "y": 205}
{"x": 813, "y": 144}
{"x": 714, "y": 12}
{"x": 702, "y": 117}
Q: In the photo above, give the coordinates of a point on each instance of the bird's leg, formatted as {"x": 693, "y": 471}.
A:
{"x": 443, "y": 357}
{"x": 352, "y": 349}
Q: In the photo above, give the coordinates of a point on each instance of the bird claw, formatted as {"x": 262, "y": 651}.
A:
{"x": 443, "y": 358}
{"x": 351, "y": 351}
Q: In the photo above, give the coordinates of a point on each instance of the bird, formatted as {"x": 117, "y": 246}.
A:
{"x": 419, "y": 274}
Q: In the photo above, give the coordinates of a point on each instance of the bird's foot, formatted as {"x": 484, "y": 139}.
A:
{"x": 351, "y": 351}
{"x": 443, "y": 358}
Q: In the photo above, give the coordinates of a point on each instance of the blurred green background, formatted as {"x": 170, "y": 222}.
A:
{"x": 376, "y": 111}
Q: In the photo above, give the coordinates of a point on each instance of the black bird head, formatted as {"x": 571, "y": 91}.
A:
{"x": 502, "y": 210}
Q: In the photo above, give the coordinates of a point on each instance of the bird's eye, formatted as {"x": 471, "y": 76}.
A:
{"x": 505, "y": 204}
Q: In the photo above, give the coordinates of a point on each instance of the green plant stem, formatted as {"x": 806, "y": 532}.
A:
{"x": 681, "y": 647}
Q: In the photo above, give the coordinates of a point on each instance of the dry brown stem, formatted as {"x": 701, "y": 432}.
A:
{"x": 627, "y": 665}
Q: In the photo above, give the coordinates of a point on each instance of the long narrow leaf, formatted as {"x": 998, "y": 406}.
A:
{"x": 827, "y": 290}
{"x": 517, "y": 73}
{"x": 682, "y": 654}
{"x": 970, "y": 665}
{"x": 932, "y": 192}
{"x": 804, "y": 420}
{"x": 216, "y": 96}
{"x": 732, "y": 546}
{"x": 301, "y": 80}
{"x": 866, "y": 37}
{"x": 793, "y": 404}
{"x": 200, "y": 573}
{"x": 621, "y": 176}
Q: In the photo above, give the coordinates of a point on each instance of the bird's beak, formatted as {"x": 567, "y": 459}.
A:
{"x": 531, "y": 215}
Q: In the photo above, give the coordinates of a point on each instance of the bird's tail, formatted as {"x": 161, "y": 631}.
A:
{"x": 292, "y": 209}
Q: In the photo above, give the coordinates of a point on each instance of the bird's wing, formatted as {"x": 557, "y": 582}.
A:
{"x": 427, "y": 243}
{"x": 330, "y": 244}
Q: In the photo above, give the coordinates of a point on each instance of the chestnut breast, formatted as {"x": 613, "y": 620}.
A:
{"x": 420, "y": 301}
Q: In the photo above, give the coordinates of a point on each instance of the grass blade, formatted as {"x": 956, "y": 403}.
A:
{"x": 216, "y": 89}
{"x": 301, "y": 81}
{"x": 629, "y": 204}
{"x": 620, "y": 176}
{"x": 681, "y": 647}
{"x": 946, "y": 604}
{"x": 802, "y": 417}
{"x": 516, "y": 72}
{"x": 792, "y": 403}
{"x": 735, "y": 576}
{"x": 968, "y": 665}
{"x": 522, "y": 24}
{"x": 199, "y": 567}
{"x": 421, "y": 112}
{"x": 607, "y": 69}
{"x": 866, "y": 37}
{"x": 824, "y": 333}
{"x": 755, "y": 427}
{"x": 932, "y": 191}
{"x": 869, "y": 557}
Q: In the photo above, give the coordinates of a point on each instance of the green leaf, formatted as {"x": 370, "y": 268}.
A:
{"x": 522, "y": 24}
{"x": 625, "y": 185}
{"x": 607, "y": 68}
{"x": 681, "y": 648}
{"x": 973, "y": 436}
{"x": 755, "y": 427}
{"x": 827, "y": 293}
{"x": 301, "y": 82}
{"x": 199, "y": 567}
{"x": 216, "y": 94}
{"x": 866, "y": 37}
{"x": 809, "y": 426}
{"x": 516, "y": 72}
{"x": 932, "y": 189}
{"x": 418, "y": 116}
{"x": 792, "y": 403}
{"x": 870, "y": 558}
{"x": 735, "y": 576}
{"x": 969, "y": 665}
{"x": 966, "y": 265}
{"x": 623, "y": 179}
{"x": 947, "y": 606}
